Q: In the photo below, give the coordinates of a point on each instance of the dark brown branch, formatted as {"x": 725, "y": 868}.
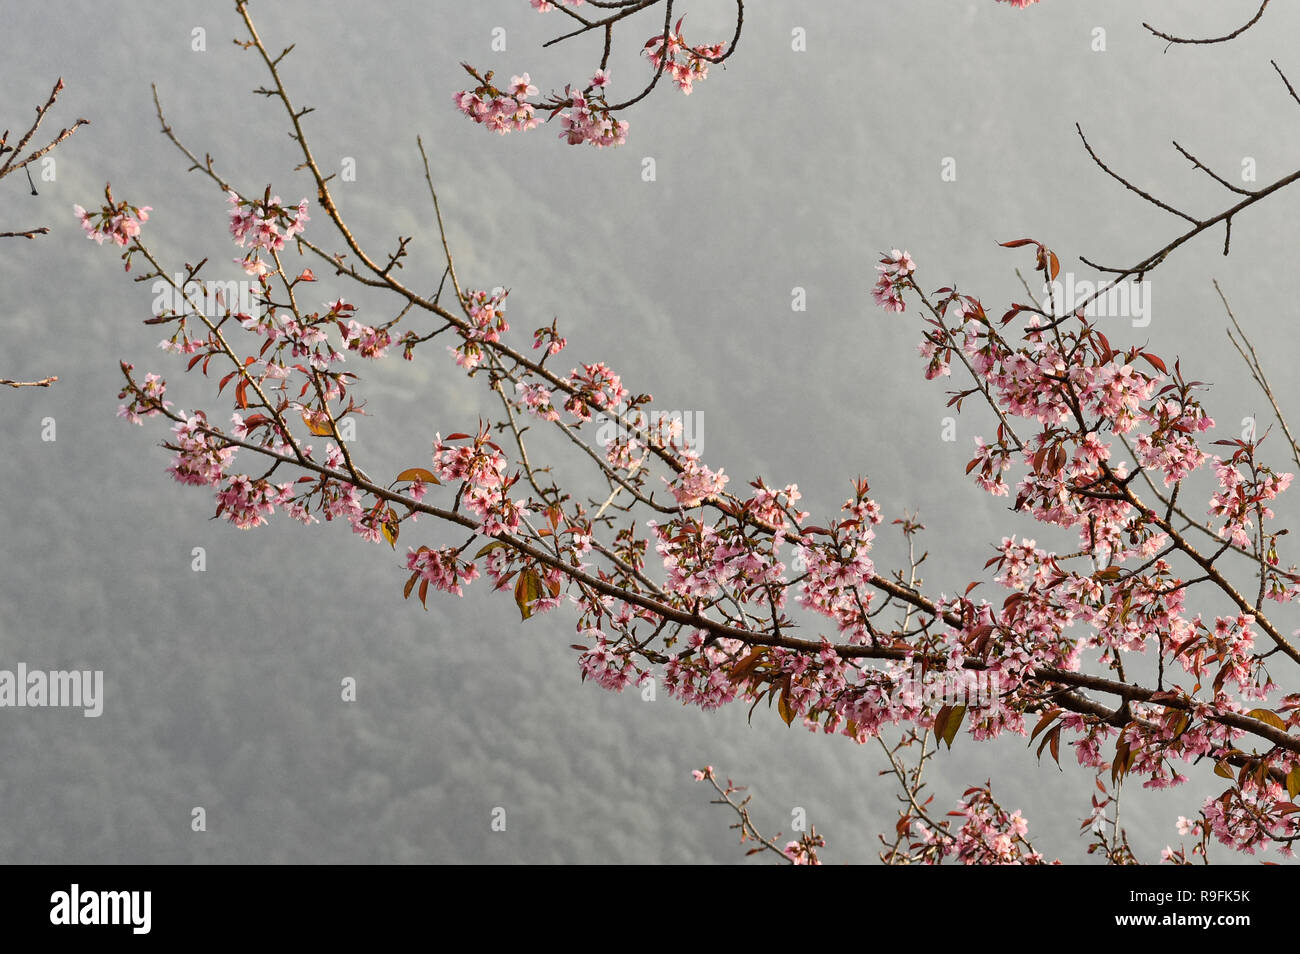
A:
{"x": 28, "y": 233}
{"x": 1129, "y": 185}
{"x": 1209, "y": 172}
{"x": 1217, "y": 39}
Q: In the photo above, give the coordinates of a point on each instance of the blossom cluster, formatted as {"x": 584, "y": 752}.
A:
{"x": 1079, "y": 397}
{"x": 502, "y": 111}
{"x": 588, "y": 118}
{"x": 480, "y": 466}
{"x": 487, "y": 316}
{"x": 895, "y": 271}
{"x": 686, "y": 64}
{"x": 146, "y": 400}
{"x": 584, "y": 112}
{"x": 120, "y": 224}
{"x": 442, "y": 568}
{"x": 594, "y": 388}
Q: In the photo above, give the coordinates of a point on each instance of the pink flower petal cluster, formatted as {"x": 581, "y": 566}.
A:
{"x": 607, "y": 664}
{"x": 686, "y": 64}
{"x": 247, "y": 503}
{"x": 696, "y": 483}
{"x": 442, "y": 568}
{"x": 146, "y": 401}
{"x": 702, "y": 678}
{"x": 481, "y": 466}
{"x": 257, "y": 224}
{"x": 588, "y": 119}
{"x": 120, "y": 224}
{"x": 366, "y": 341}
{"x": 201, "y": 459}
{"x": 596, "y": 388}
{"x": 498, "y": 110}
{"x": 536, "y": 400}
{"x": 895, "y": 271}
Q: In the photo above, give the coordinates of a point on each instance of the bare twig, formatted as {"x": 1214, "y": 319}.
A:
{"x": 1217, "y": 39}
{"x": 42, "y": 383}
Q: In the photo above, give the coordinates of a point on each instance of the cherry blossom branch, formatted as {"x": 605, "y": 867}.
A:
{"x": 585, "y": 112}
{"x": 382, "y": 276}
{"x": 718, "y": 623}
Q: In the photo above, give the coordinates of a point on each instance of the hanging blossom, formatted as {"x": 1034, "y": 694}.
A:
{"x": 487, "y": 314}
{"x": 366, "y": 341}
{"x": 201, "y": 459}
{"x": 895, "y": 271}
{"x": 481, "y": 467}
{"x": 708, "y": 686}
{"x": 443, "y": 568}
{"x": 684, "y": 63}
{"x": 536, "y": 400}
{"x": 247, "y": 503}
{"x": 588, "y": 118}
{"x": 608, "y": 664}
{"x": 585, "y": 113}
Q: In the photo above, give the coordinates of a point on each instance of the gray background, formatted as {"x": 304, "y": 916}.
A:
{"x": 785, "y": 169}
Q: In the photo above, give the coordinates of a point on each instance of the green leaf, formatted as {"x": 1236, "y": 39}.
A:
{"x": 527, "y": 589}
{"x": 953, "y": 723}
{"x": 488, "y": 549}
